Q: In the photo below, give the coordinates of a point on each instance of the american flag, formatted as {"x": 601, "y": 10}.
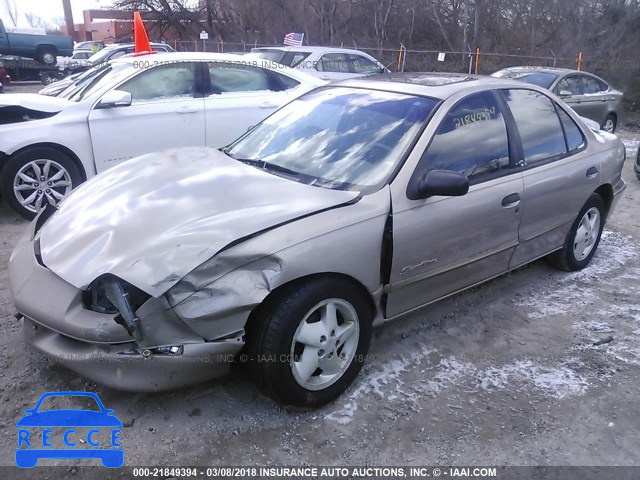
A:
{"x": 293, "y": 39}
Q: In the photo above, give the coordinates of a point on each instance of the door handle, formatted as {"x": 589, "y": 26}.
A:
{"x": 592, "y": 172}
{"x": 511, "y": 201}
{"x": 269, "y": 105}
{"x": 183, "y": 110}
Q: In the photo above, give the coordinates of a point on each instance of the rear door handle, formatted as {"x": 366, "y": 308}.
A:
{"x": 592, "y": 172}
{"x": 268, "y": 105}
{"x": 185, "y": 109}
{"x": 511, "y": 201}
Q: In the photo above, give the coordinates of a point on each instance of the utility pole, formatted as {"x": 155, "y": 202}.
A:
{"x": 68, "y": 20}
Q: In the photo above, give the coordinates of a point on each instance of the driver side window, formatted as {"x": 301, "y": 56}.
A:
{"x": 175, "y": 80}
{"x": 472, "y": 139}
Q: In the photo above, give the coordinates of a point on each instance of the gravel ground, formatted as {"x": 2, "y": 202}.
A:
{"x": 503, "y": 374}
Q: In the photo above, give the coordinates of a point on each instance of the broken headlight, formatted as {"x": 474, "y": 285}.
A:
{"x": 110, "y": 295}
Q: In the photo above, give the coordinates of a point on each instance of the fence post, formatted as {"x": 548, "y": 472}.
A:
{"x": 579, "y": 66}
{"x": 477, "y": 61}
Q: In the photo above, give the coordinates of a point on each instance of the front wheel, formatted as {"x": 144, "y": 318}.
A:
{"x": 37, "y": 177}
{"x": 310, "y": 342}
{"x": 47, "y": 56}
{"x": 583, "y": 238}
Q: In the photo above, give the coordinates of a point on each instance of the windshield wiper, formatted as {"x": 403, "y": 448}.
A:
{"x": 272, "y": 167}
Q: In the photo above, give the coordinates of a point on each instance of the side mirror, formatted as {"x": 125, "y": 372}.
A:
{"x": 444, "y": 183}
{"x": 565, "y": 94}
{"x": 115, "y": 98}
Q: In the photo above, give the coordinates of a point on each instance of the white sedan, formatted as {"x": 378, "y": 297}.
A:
{"x": 327, "y": 63}
{"x": 132, "y": 106}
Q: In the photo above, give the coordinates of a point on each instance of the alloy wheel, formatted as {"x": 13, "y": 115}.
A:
{"x": 40, "y": 182}
{"x": 586, "y": 234}
{"x": 324, "y": 344}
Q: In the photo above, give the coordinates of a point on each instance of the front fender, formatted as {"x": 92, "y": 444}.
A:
{"x": 216, "y": 299}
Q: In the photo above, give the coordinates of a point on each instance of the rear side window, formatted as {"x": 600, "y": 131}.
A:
{"x": 228, "y": 77}
{"x": 593, "y": 85}
{"x": 286, "y": 82}
{"x": 575, "y": 139}
{"x": 472, "y": 139}
{"x": 538, "y": 124}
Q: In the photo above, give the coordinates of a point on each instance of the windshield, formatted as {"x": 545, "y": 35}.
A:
{"x": 98, "y": 77}
{"x": 541, "y": 79}
{"x": 342, "y": 138}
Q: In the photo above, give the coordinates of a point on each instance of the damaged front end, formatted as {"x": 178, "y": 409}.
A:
{"x": 114, "y": 333}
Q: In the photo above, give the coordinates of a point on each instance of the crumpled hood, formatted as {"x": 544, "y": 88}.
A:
{"x": 34, "y": 101}
{"x": 153, "y": 219}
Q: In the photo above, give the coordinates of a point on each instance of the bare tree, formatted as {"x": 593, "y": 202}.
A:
{"x": 35, "y": 21}
{"x": 11, "y": 9}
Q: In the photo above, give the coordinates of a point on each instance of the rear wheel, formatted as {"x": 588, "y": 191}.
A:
{"x": 310, "y": 342}
{"x": 610, "y": 124}
{"x": 37, "y": 177}
{"x": 583, "y": 238}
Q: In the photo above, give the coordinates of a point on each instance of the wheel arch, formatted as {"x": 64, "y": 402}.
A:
{"x": 56, "y": 146}
{"x": 274, "y": 295}
{"x": 606, "y": 193}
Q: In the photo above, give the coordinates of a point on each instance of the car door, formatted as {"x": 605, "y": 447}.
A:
{"x": 594, "y": 99}
{"x": 570, "y": 90}
{"x": 239, "y": 97}
{"x": 334, "y": 66}
{"x": 444, "y": 244}
{"x": 557, "y": 172}
{"x": 166, "y": 112}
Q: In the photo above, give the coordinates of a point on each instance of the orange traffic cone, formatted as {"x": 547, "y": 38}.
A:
{"x": 140, "y": 34}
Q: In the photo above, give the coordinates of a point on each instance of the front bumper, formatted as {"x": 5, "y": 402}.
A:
{"x": 94, "y": 345}
{"x": 137, "y": 372}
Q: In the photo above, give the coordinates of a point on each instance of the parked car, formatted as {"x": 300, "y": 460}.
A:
{"x": 65, "y": 65}
{"x": 127, "y": 107}
{"x": 636, "y": 166}
{"x": 350, "y": 206}
{"x": 587, "y": 94}
{"x": 1, "y": 88}
{"x": 327, "y": 63}
{"x": 92, "y": 45}
{"x": 79, "y": 58}
{"x": 43, "y": 48}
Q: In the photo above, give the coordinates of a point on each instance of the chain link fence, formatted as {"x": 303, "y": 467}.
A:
{"x": 622, "y": 74}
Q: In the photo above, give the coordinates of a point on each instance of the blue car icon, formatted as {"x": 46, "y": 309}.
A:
{"x": 69, "y": 419}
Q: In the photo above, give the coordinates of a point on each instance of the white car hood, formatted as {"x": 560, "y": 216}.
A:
{"x": 153, "y": 219}
{"x": 34, "y": 101}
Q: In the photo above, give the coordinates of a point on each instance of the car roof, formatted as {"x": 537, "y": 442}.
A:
{"x": 169, "y": 57}
{"x": 309, "y": 48}
{"x": 434, "y": 85}
{"x": 554, "y": 70}
{"x": 116, "y": 46}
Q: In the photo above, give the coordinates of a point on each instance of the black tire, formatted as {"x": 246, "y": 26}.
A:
{"x": 270, "y": 340}
{"x": 16, "y": 162}
{"x": 610, "y": 118}
{"x": 565, "y": 258}
{"x": 47, "y": 56}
